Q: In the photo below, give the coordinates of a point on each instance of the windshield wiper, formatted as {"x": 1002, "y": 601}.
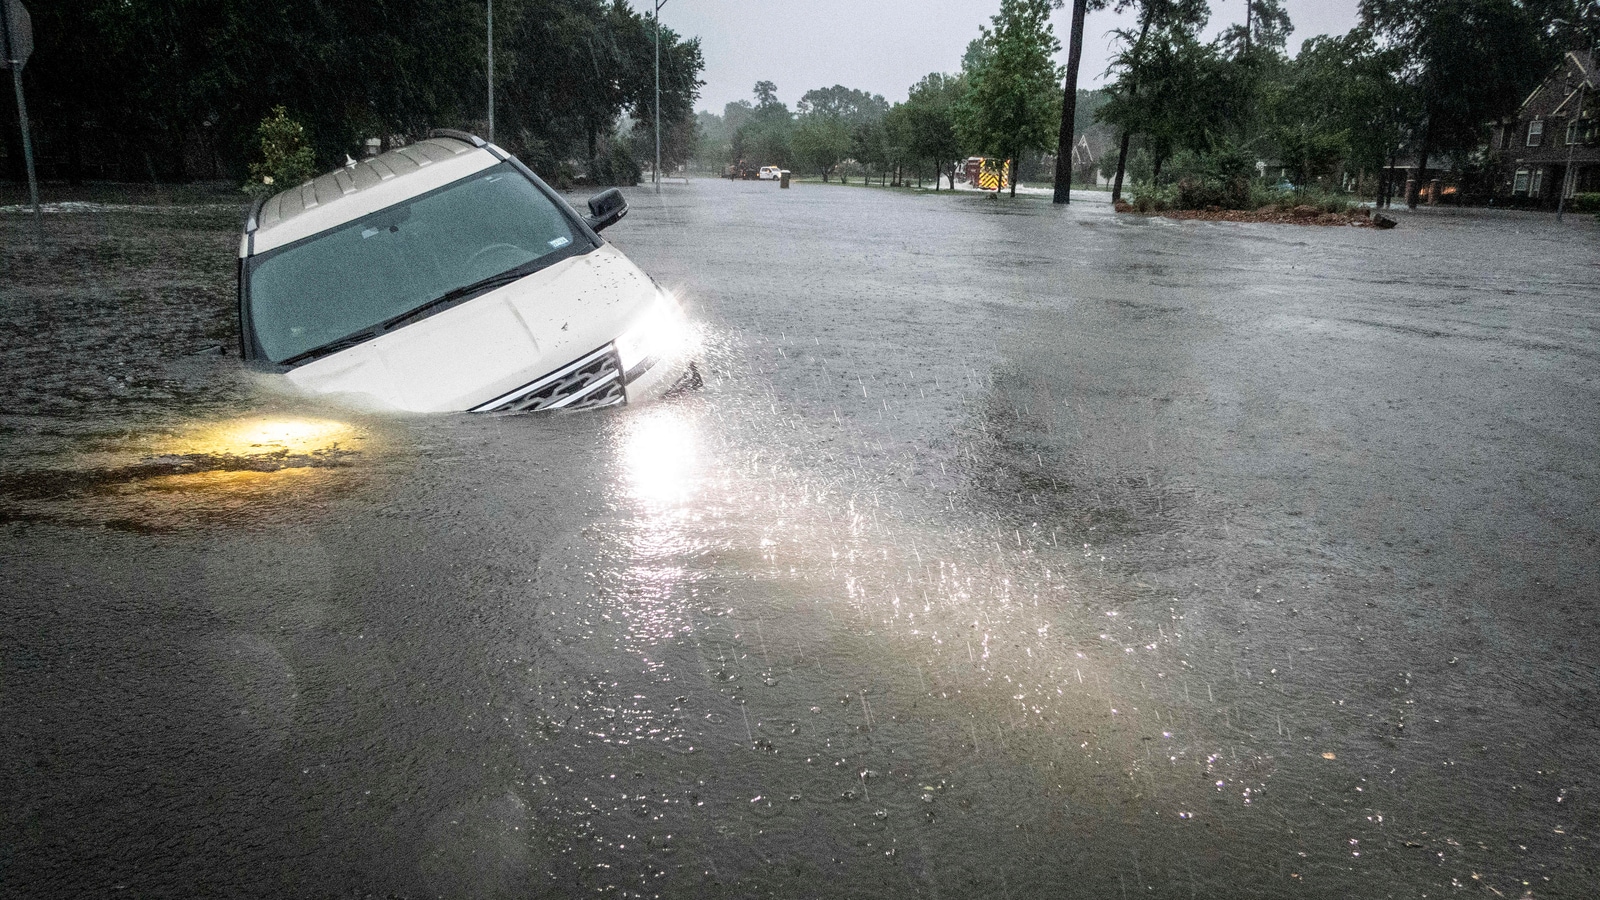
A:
{"x": 461, "y": 293}
{"x": 343, "y": 343}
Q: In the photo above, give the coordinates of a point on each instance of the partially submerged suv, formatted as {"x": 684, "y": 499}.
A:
{"x": 445, "y": 275}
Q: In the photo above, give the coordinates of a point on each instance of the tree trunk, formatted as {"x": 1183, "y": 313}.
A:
{"x": 1133, "y": 91}
{"x": 1422, "y": 164}
{"x": 1069, "y": 107}
{"x": 1013, "y": 161}
{"x": 1122, "y": 167}
{"x": 1155, "y": 172}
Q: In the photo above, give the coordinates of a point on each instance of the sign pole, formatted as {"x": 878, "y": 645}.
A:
{"x": 656, "y": 175}
{"x": 17, "y": 32}
{"x": 491, "y": 71}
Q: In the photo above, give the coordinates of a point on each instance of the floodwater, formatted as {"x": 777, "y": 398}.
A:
{"x": 1007, "y": 552}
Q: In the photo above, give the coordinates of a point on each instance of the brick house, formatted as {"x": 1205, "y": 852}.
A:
{"x": 1556, "y": 123}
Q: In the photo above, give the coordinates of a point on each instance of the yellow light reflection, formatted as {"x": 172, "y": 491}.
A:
{"x": 268, "y": 436}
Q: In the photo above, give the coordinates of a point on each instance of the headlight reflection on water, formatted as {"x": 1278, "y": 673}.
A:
{"x": 267, "y": 437}
{"x": 658, "y": 457}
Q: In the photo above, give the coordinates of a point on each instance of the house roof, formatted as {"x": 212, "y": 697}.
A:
{"x": 1583, "y": 60}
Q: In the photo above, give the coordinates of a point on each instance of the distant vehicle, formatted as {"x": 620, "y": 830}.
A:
{"x": 446, "y": 276}
{"x": 739, "y": 170}
{"x": 769, "y": 173}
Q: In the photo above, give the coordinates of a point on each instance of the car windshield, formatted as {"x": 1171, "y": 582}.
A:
{"x": 352, "y": 281}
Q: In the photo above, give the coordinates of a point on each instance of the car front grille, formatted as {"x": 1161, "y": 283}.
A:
{"x": 592, "y": 382}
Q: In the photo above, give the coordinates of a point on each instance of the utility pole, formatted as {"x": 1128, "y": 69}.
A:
{"x": 16, "y": 31}
{"x": 491, "y": 71}
{"x": 656, "y": 174}
{"x": 1570, "y": 176}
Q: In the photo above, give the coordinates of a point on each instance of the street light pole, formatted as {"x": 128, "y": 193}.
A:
{"x": 1569, "y": 177}
{"x": 656, "y": 174}
{"x": 491, "y": 70}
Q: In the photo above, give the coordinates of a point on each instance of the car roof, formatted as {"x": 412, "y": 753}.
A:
{"x": 350, "y": 192}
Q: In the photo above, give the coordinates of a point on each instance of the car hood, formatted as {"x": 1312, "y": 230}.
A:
{"x": 472, "y": 353}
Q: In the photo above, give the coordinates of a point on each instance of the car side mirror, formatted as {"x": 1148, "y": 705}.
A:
{"x": 606, "y": 209}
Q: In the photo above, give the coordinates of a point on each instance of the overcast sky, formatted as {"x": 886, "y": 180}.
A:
{"x": 885, "y": 46}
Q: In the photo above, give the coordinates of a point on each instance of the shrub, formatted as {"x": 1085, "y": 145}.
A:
{"x": 286, "y": 158}
{"x": 1324, "y": 200}
{"x": 1263, "y": 194}
{"x": 615, "y": 164}
{"x": 1149, "y": 197}
{"x": 1585, "y": 203}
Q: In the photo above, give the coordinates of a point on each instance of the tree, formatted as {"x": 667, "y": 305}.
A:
{"x": 820, "y": 142}
{"x": 1010, "y": 104}
{"x": 1345, "y": 85}
{"x": 134, "y": 88}
{"x": 869, "y": 145}
{"x": 1266, "y": 28}
{"x": 1166, "y": 16}
{"x": 1470, "y": 62}
{"x": 827, "y": 118}
{"x": 930, "y": 119}
{"x": 767, "y": 133}
{"x": 1188, "y": 97}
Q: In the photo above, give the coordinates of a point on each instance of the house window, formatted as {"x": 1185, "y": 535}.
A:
{"x": 1536, "y": 183}
{"x": 1535, "y": 132}
{"x": 1520, "y": 185}
{"x": 1573, "y": 128}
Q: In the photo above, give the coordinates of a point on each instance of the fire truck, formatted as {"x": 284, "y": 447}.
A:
{"x": 988, "y": 173}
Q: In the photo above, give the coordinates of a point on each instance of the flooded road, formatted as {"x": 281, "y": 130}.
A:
{"x": 1007, "y": 552}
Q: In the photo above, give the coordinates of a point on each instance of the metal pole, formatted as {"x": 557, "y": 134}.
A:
{"x": 656, "y": 174}
{"x": 491, "y": 70}
{"x": 1570, "y": 175}
{"x": 22, "y": 118}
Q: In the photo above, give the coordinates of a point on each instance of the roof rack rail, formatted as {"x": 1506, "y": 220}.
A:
{"x": 468, "y": 137}
{"x": 253, "y": 221}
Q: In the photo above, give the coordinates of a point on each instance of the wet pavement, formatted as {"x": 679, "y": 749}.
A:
{"x": 1008, "y": 552}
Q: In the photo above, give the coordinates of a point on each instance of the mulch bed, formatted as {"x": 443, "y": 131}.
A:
{"x": 1276, "y": 215}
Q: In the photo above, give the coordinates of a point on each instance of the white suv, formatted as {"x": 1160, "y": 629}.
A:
{"x": 445, "y": 275}
{"x": 769, "y": 173}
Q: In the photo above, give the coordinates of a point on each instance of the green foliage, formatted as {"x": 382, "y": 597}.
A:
{"x": 1470, "y": 61}
{"x": 764, "y": 136}
{"x": 1309, "y": 151}
{"x": 1149, "y": 197}
{"x": 1266, "y": 29}
{"x": 1012, "y": 104}
{"x": 1222, "y": 177}
{"x": 820, "y": 142}
{"x": 930, "y": 120}
{"x": 822, "y": 136}
{"x": 1345, "y": 91}
{"x": 616, "y": 164}
{"x": 134, "y": 88}
{"x": 1584, "y": 203}
{"x": 285, "y": 159}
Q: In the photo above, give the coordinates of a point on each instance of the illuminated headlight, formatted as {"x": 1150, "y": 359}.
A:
{"x": 661, "y": 332}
